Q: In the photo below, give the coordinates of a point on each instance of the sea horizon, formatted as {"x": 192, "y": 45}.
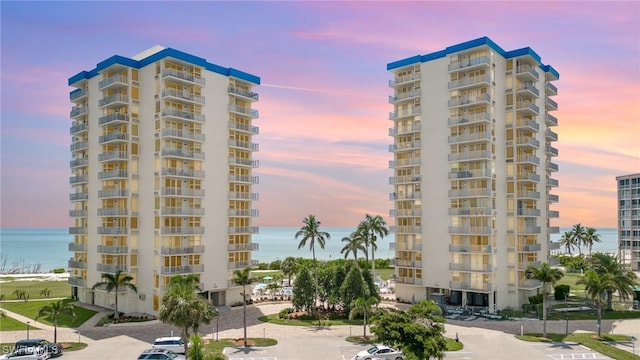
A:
{"x": 48, "y": 246}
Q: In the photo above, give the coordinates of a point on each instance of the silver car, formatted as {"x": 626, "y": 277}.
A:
{"x": 380, "y": 352}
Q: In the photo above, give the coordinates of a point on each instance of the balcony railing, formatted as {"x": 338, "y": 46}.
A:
{"x": 77, "y": 128}
{"x": 404, "y": 113}
{"x": 78, "y": 213}
{"x": 243, "y": 212}
{"x": 465, "y": 193}
{"x": 76, "y": 281}
{"x": 103, "y": 175}
{"x": 181, "y": 211}
{"x": 553, "y": 213}
{"x": 105, "y": 249}
{"x": 461, "y": 64}
{"x": 404, "y": 79}
{"x": 550, "y": 88}
{"x": 527, "y": 123}
{"x": 78, "y": 94}
{"x": 79, "y": 179}
{"x": 530, "y": 284}
{"x": 404, "y": 96}
{"x": 182, "y": 172}
{"x": 471, "y": 211}
{"x": 470, "y": 100}
{"x": 470, "y": 119}
{"x": 530, "y": 248}
{"x": 467, "y": 174}
{"x": 114, "y": 155}
{"x": 113, "y": 211}
{"x": 527, "y": 71}
{"x": 461, "y": 285}
{"x": 529, "y": 194}
{"x": 408, "y": 263}
{"x": 116, "y": 118}
{"x": 469, "y": 137}
{"x": 78, "y": 196}
{"x": 75, "y": 264}
{"x": 79, "y": 145}
{"x": 528, "y": 141}
{"x": 551, "y": 120}
{"x": 551, "y": 151}
{"x": 550, "y": 104}
{"x": 183, "y": 75}
{"x": 180, "y": 230}
{"x": 528, "y": 159}
{"x": 112, "y": 80}
{"x": 181, "y": 192}
{"x": 552, "y": 166}
{"x": 183, "y": 95}
{"x": 528, "y": 212}
{"x": 401, "y": 229}
{"x": 553, "y": 198}
{"x": 467, "y": 248}
{"x": 78, "y": 111}
{"x": 243, "y": 247}
{"x": 77, "y": 247}
{"x": 470, "y": 230}
{"x": 471, "y": 267}
{"x": 242, "y": 264}
{"x": 528, "y": 176}
{"x": 471, "y": 155}
{"x": 182, "y": 153}
{"x": 107, "y": 193}
{"x": 78, "y": 162}
{"x": 243, "y": 229}
{"x": 530, "y": 87}
{"x": 116, "y": 99}
{"x": 527, "y": 106}
{"x": 244, "y": 93}
{"x": 243, "y": 110}
{"x": 112, "y": 230}
{"x": 168, "y": 250}
{"x": 551, "y": 135}
{"x": 180, "y": 134}
{"x": 183, "y": 115}
{"x": 111, "y": 268}
{"x": 552, "y": 182}
{"x": 114, "y": 136}
{"x": 470, "y": 81}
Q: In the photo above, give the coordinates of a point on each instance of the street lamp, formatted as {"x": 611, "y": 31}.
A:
{"x": 28, "y": 322}
{"x": 566, "y": 315}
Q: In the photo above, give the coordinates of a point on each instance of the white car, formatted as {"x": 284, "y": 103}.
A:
{"x": 380, "y": 352}
{"x": 173, "y": 343}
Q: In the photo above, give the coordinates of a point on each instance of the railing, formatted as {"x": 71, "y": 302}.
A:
{"x": 243, "y": 161}
{"x": 524, "y": 122}
{"x": 404, "y": 95}
{"x": 527, "y": 69}
{"x": 79, "y": 196}
{"x": 243, "y": 212}
{"x": 77, "y": 128}
{"x": 466, "y": 174}
{"x": 471, "y": 211}
{"x": 75, "y": 264}
{"x": 552, "y": 88}
{"x": 528, "y": 86}
{"x": 78, "y": 162}
{"x": 242, "y": 264}
{"x": 105, "y": 249}
{"x": 119, "y": 117}
{"x": 76, "y": 281}
{"x": 77, "y": 94}
{"x": 243, "y": 247}
{"x": 460, "y": 64}
{"x": 471, "y": 80}
{"x": 116, "y": 98}
{"x": 175, "y": 152}
{"x": 78, "y": 145}
{"x": 551, "y": 120}
{"x": 551, "y": 104}
{"x": 118, "y": 78}
{"x": 182, "y": 134}
{"x": 78, "y": 179}
{"x": 112, "y": 211}
{"x": 552, "y": 166}
{"x": 78, "y": 213}
{"x": 181, "y": 192}
{"x": 181, "y": 211}
{"x": 470, "y": 118}
{"x": 183, "y": 95}
{"x": 243, "y": 110}
{"x": 77, "y": 111}
{"x": 113, "y": 155}
{"x": 528, "y": 176}
{"x": 470, "y": 286}
{"x": 183, "y": 75}
{"x": 552, "y": 182}
{"x": 525, "y": 140}
{"x": 182, "y": 172}
{"x": 528, "y": 159}
{"x": 179, "y": 230}
{"x": 407, "y": 229}
{"x": 166, "y": 250}
{"x": 244, "y": 144}
{"x": 77, "y": 247}
{"x": 528, "y": 212}
{"x": 551, "y": 135}
{"x": 530, "y": 247}
{"x": 471, "y": 155}
{"x": 112, "y": 174}
{"x": 244, "y": 127}
{"x": 467, "y": 248}
{"x": 188, "y": 115}
{"x": 469, "y": 100}
{"x": 243, "y": 229}
{"x": 408, "y": 263}
{"x": 486, "y": 135}
{"x": 470, "y": 267}
{"x": 111, "y": 268}
{"x": 552, "y": 151}
{"x": 403, "y": 79}
{"x": 113, "y": 136}
{"x": 470, "y": 230}
{"x": 470, "y": 193}
{"x": 405, "y": 196}
{"x": 527, "y": 105}
{"x": 113, "y": 193}
{"x": 553, "y": 198}
{"x": 112, "y": 230}
{"x": 244, "y": 93}
{"x": 528, "y": 194}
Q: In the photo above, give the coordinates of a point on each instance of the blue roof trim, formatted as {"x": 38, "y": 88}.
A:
{"x": 168, "y": 52}
{"x": 469, "y": 45}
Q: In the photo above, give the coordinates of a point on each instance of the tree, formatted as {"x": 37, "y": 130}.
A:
{"x": 578, "y": 234}
{"x": 303, "y": 290}
{"x": 54, "y": 311}
{"x": 590, "y": 237}
{"x": 183, "y": 307}
{"x": 595, "y": 286}
{"x": 374, "y": 227}
{"x": 243, "y": 277}
{"x": 363, "y": 305}
{"x": 353, "y": 245}
{"x": 418, "y": 332}
{"x": 289, "y": 267}
{"x": 566, "y": 240}
{"x": 115, "y": 282}
{"x": 45, "y": 292}
{"x": 546, "y": 275}
{"x": 274, "y": 287}
{"x": 623, "y": 278}
{"x": 353, "y": 287}
{"x": 311, "y": 232}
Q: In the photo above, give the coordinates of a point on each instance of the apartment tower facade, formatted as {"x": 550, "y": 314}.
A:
{"x": 473, "y": 173}
{"x": 162, "y": 176}
{"x": 629, "y": 219}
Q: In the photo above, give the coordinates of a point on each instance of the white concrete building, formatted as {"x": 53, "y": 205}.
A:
{"x": 629, "y": 219}
{"x": 162, "y": 163}
{"x": 473, "y": 166}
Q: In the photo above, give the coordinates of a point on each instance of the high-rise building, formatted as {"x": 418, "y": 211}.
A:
{"x": 629, "y": 219}
{"x": 162, "y": 164}
{"x": 473, "y": 166}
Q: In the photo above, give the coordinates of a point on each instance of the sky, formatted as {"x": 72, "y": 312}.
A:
{"x": 324, "y": 92}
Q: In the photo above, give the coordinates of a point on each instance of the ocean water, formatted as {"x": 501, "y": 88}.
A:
{"x": 47, "y": 248}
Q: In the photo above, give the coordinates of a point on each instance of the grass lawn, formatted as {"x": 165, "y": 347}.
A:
{"x": 58, "y": 289}
{"x": 589, "y": 340}
{"x": 11, "y": 324}
{"x": 274, "y": 319}
{"x": 30, "y": 309}
{"x": 571, "y": 279}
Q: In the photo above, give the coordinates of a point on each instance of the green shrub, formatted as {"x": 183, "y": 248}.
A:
{"x": 58, "y": 271}
{"x": 284, "y": 313}
{"x": 535, "y": 299}
{"x": 216, "y": 356}
{"x": 561, "y": 292}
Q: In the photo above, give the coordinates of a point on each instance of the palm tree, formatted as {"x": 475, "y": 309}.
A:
{"x": 113, "y": 282}
{"x": 546, "y": 275}
{"x": 288, "y": 267}
{"x": 595, "y": 286}
{"x": 183, "y": 307}
{"x": 623, "y": 278}
{"x": 54, "y": 311}
{"x": 353, "y": 245}
{"x": 363, "y": 304}
{"x": 375, "y": 227}
{"x": 578, "y": 235}
{"x": 311, "y": 232}
{"x": 566, "y": 240}
{"x": 243, "y": 277}
{"x": 274, "y": 287}
{"x": 590, "y": 237}
{"x": 190, "y": 279}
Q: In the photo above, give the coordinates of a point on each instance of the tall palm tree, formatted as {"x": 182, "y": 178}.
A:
{"x": 54, "y": 311}
{"x": 595, "y": 286}
{"x": 114, "y": 282}
{"x": 311, "y": 232}
{"x": 375, "y": 227}
{"x": 363, "y": 304}
{"x": 243, "y": 277}
{"x": 353, "y": 245}
{"x": 591, "y": 236}
{"x": 624, "y": 279}
{"x": 566, "y": 240}
{"x": 288, "y": 267}
{"x": 578, "y": 234}
{"x": 183, "y": 307}
{"x": 546, "y": 275}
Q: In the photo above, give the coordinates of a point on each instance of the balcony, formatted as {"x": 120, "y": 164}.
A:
{"x": 249, "y": 95}
{"x": 527, "y": 124}
{"x": 244, "y": 179}
{"x": 78, "y": 213}
{"x": 112, "y": 230}
{"x": 468, "y": 193}
{"x": 78, "y": 111}
{"x": 551, "y": 151}
{"x": 530, "y": 248}
{"x": 528, "y": 194}
{"x": 403, "y": 246}
{"x": 113, "y": 211}
{"x": 406, "y": 212}
{"x": 402, "y": 229}
{"x": 527, "y": 142}
{"x": 553, "y": 245}
{"x": 554, "y": 214}
{"x": 405, "y": 196}
{"x": 471, "y": 156}
{"x": 527, "y": 107}
{"x": 199, "y": 174}
{"x": 471, "y": 100}
{"x": 75, "y": 264}
{"x": 79, "y": 145}
{"x": 76, "y": 281}
{"x": 528, "y": 176}
{"x": 404, "y": 130}
{"x": 167, "y": 191}
{"x": 80, "y": 179}
{"x": 77, "y": 247}
{"x": 182, "y": 153}
{"x": 254, "y": 130}
{"x": 243, "y": 162}
{"x": 243, "y": 229}
{"x": 469, "y": 82}
{"x": 78, "y": 162}
{"x": 182, "y": 230}
{"x": 551, "y": 135}
{"x": 114, "y": 119}
{"x": 527, "y": 73}
{"x": 470, "y": 137}
{"x": 551, "y": 120}
{"x": 115, "y": 100}
{"x": 246, "y": 111}
{"x": 114, "y": 81}
{"x": 405, "y": 145}
{"x": 105, "y": 249}
{"x": 111, "y": 268}
{"x": 78, "y": 128}
{"x": 182, "y": 135}
{"x": 185, "y": 96}
{"x": 469, "y": 174}
{"x": 471, "y": 211}
{"x": 78, "y": 196}
{"x": 182, "y": 76}
{"x": 552, "y": 182}
{"x": 554, "y": 229}
{"x": 114, "y": 137}
{"x": 243, "y": 212}
{"x": 78, "y": 94}
{"x": 461, "y": 285}
{"x": 402, "y": 113}
{"x": 525, "y": 264}
{"x": 528, "y": 212}
{"x": 470, "y": 230}
{"x": 109, "y": 193}
{"x": 550, "y": 105}
{"x": 528, "y": 159}
{"x": 529, "y": 229}
{"x": 114, "y": 155}
{"x": 468, "y": 267}
{"x": 400, "y": 80}
{"x": 242, "y": 264}
{"x": 409, "y": 280}
{"x": 467, "y": 64}
{"x": 527, "y": 89}
{"x": 245, "y": 145}
{"x": 467, "y": 248}
{"x": 552, "y": 166}
{"x": 408, "y": 263}
{"x": 550, "y": 89}
{"x": 553, "y": 198}
{"x": 113, "y": 174}
{"x": 169, "y": 250}
{"x": 243, "y": 247}
{"x": 470, "y": 119}
{"x": 182, "y": 115}
{"x": 182, "y": 211}
{"x": 404, "y": 96}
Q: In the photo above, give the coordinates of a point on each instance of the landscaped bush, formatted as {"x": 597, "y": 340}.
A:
{"x": 284, "y": 313}
{"x": 58, "y": 271}
{"x": 561, "y": 292}
{"x": 535, "y": 299}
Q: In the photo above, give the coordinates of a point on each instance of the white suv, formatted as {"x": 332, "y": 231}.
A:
{"x": 173, "y": 343}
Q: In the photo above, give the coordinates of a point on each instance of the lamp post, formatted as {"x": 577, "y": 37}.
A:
{"x": 566, "y": 315}
{"x": 28, "y": 322}
{"x": 633, "y": 344}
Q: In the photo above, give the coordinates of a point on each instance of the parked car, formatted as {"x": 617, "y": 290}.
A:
{"x": 37, "y": 353}
{"x": 54, "y": 349}
{"x": 380, "y": 351}
{"x": 160, "y": 354}
{"x": 173, "y": 343}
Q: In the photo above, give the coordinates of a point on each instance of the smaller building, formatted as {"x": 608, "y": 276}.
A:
{"x": 629, "y": 219}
